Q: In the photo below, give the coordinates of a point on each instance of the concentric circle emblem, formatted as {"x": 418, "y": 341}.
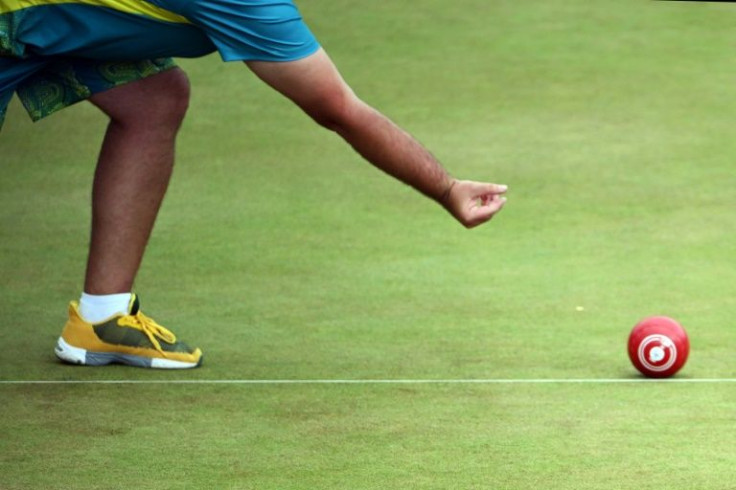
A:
{"x": 658, "y": 347}
{"x": 657, "y": 352}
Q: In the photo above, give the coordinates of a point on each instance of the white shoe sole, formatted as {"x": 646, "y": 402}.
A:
{"x": 76, "y": 355}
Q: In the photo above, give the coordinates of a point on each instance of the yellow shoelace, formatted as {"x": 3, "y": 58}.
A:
{"x": 148, "y": 326}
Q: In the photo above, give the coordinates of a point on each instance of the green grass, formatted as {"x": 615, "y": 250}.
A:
{"x": 284, "y": 256}
{"x": 383, "y": 437}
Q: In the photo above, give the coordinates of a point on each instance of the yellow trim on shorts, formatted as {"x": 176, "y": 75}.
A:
{"x": 136, "y": 7}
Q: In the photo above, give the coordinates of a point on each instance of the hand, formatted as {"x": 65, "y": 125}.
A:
{"x": 473, "y": 203}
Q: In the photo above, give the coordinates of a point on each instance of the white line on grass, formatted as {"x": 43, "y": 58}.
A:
{"x": 362, "y": 381}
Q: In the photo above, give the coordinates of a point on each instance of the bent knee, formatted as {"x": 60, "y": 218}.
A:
{"x": 158, "y": 100}
{"x": 171, "y": 102}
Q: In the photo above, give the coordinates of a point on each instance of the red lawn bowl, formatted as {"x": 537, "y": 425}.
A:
{"x": 658, "y": 347}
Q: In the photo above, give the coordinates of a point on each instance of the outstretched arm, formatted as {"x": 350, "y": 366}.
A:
{"x": 315, "y": 85}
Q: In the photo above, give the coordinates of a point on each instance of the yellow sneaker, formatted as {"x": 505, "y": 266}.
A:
{"x": 132, "y": 339}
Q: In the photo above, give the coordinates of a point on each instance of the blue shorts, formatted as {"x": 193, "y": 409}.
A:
{"x": 66, "y": 52}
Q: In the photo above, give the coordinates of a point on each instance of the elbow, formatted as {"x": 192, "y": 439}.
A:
{"x": 335, "y": 111}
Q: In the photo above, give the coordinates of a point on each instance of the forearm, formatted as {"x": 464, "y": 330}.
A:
{"x": 314, "y": 84}
{"x": 393, "y": 150}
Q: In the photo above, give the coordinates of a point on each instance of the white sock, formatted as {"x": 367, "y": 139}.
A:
{"x": 96, "y": 308}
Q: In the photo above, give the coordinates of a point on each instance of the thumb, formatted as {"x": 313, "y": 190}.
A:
{"x": 483, "y": 188}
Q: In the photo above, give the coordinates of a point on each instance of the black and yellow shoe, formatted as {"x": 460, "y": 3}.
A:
{"x": 132, "y": 339}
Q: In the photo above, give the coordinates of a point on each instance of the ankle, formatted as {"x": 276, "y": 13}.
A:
{"x": 96, "y": 308}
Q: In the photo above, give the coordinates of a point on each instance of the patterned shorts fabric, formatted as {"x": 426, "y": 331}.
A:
{"x": 58, "y": 83}
{"x": 55, "y": 53}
